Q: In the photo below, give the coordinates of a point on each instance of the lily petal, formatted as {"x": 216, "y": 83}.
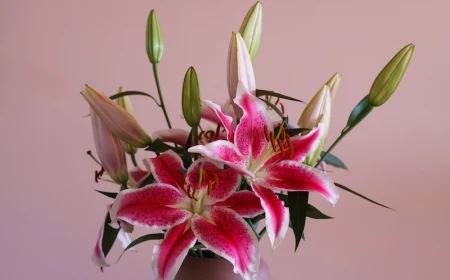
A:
{"x": 137, "y": 177}
{"x": 229, "y": 236}
{"x": 293, "y": 176}
{"x": 124, "y": 238}
{"x": 302, "y": 146}
{"x": 225, "y": 120}
{"x": 156, "y": 206}
{"x": 172, "y": 135}
{"x": 249, "y": 137}
{"x": 225, "y": 152}
{"x": 245, "y": 203}
{"x": 277, "y": 216}
{"x": 98, "y": 257}
{"x": 224, "y": 182}
{"x": 170, "y": 253}
{"x": 166, "y": 168}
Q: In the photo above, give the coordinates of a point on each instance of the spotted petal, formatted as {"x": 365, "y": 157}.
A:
{"x": 293, "y": 176}
{"x": 245, "y": 203}
{"x": 229, "y": 236}
{"x": 166, "y": 168}
{"x": 249, "y": 136}
{"x": 225, "y": 120}
{"x": 98, "y": 257}
{"x": 157, "y": 206}
{"x": 222, "y": 183}
{"x": 225, "y": 152}
{"x": 277, "y": 216}
{"x": 170, "y": 253}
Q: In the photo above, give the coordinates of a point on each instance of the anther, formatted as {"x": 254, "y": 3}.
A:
{"x": 278, "y": 101}
{"x": 272, "y": 141}
{"x": 216, "y": 181}
{"x": 282, "y": 108}
{"x": 291, "y": 146}
{"x": 266, "y": 133}
{"x": 280, "y": 144}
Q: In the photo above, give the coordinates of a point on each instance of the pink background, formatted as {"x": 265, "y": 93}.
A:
{"x": 49, "y": 49}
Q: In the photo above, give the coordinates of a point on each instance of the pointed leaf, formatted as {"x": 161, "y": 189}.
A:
{"x": 314, "y": 213}
{"x": 262, "y": 92}
{"x": 360, "y": 195}
{"x": 298, "y": 204}
{"x": 159, "y": 146}
{"x": 148, "y": 237}
{"x": 109, "y": 235}
{"x": 108, "y": 194}
{"x": 127, "y": 93}
{"x": 334, "y": 161}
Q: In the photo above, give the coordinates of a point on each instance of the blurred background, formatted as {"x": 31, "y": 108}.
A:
{"x": 399, "y": 156}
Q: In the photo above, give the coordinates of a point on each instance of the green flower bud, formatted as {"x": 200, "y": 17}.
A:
{"x": 125, "y": 102}
{"x": 251, "y": 29}
{"x": 153, "y": 41}
{"x": 389, "y": 78}
{"x": 191, "y": 103}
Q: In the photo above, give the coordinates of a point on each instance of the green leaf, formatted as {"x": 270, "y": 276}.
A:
{"x": 275, "y": 108}
{"x": 295, "y": 131}
{"x": 108, "y": 194}
{"x": 360, "y": 195}
{"x": 262, "y": 92}
{"x": 159, "y": 146}
{"x": 148, "y": 237}
{"x": 109, "y": 235}
{"x": 334, "y": 161}
{"x": 359, "y": 113}
{"x": 298, "y": 205}
{"x": 314, "y": 213}
{"x": 126, "y": 93}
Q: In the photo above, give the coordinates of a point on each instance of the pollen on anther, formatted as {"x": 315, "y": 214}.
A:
{"x": 280, "y": 144}
{"x": 272, "y": 140}
{"x": 266, "y": 133}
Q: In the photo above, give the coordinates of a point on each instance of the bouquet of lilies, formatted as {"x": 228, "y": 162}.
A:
{"x": 241, "y": 163}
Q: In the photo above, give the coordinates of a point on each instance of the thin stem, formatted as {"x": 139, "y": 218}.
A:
{"x": 133, "y": 159}
{"x": 94, "y": 158}
{"x": 261, "y": 233}
{"x": 195, "y": 137}
{"x": 344, "y": 132}
{"x": 161, "y": 100}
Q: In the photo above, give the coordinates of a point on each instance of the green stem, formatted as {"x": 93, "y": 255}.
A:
{"x": 161, "y": 100}
{"x": 344, "y": 132}
{"x": 133, "y": 159}
{"x": 199, "y": 252}
{"x": 261, "y": 233}
{"x": 195, "y": 137}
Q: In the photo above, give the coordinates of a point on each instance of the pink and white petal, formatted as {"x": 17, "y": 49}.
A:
{"x": 229, "y": 236}
{"x": 170, "y": 253}
{"x": 98, "y": 257}
{"x": 209, "y": 115}
{"x": 302, "y": 146}
{"x": 293, "y": 176}
{"x": 226, "y": 121}
{"x": 228, "y": 179}
{"x": 245, "y": 203}
{"x": 156, "y": 206}
{"x": 137, "y": 177}
{"x": 167, "y": 168}
{"x": 129, "y": 228}
{"x": 225, "y": 152}
{"x": 172, "y": 135}
{"x": 124, "y": 238}
{"x": 249, "y": 136}
{"x": 277, "y": 216}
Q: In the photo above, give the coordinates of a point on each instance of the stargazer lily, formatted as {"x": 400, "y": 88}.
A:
{"x": 198, "y": 204}
{"x": 269, "y": 160}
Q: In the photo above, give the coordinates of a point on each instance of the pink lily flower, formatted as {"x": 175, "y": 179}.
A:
{"x": 269, "y": 161}
{"x": 198, "y": 204}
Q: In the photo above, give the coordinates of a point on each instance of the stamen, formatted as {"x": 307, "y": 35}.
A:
{"x": 266, "y": 132}
{"x": 291, "y": 146}
{"x": 280, "y": 144}
{"x": 272, "y": 141}
{"x": 266, "y": 97}
{"x": 203, "y": 176}
{"x": 216, "y": 181}
{"x": 209, "y": 187}
{"x": 282, "y": 108}
{"x": 283, "y": 134}
{"x": 99, "y": 174}
{"x": 217, "y": 131}
{"x": 278, "y": 101}
{"x": 193, "y": 194}
{"x": 184, "y": 178}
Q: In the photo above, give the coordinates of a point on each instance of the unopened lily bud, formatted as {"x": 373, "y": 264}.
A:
{"x": 110, "y": 150}
{"x": 153, "y": 41}
{"x": 251, "y": 29}
{"x": 334, "y": 82}
{"x": 391, "y": 75}
{"x": 125, "y": 102}
{"x": 118, "y": 121}
{"x": 317, "y": 112}
{"x": 191, "y": 103}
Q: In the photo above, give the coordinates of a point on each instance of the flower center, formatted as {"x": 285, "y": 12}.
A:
{"x": 207, "y": 182}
